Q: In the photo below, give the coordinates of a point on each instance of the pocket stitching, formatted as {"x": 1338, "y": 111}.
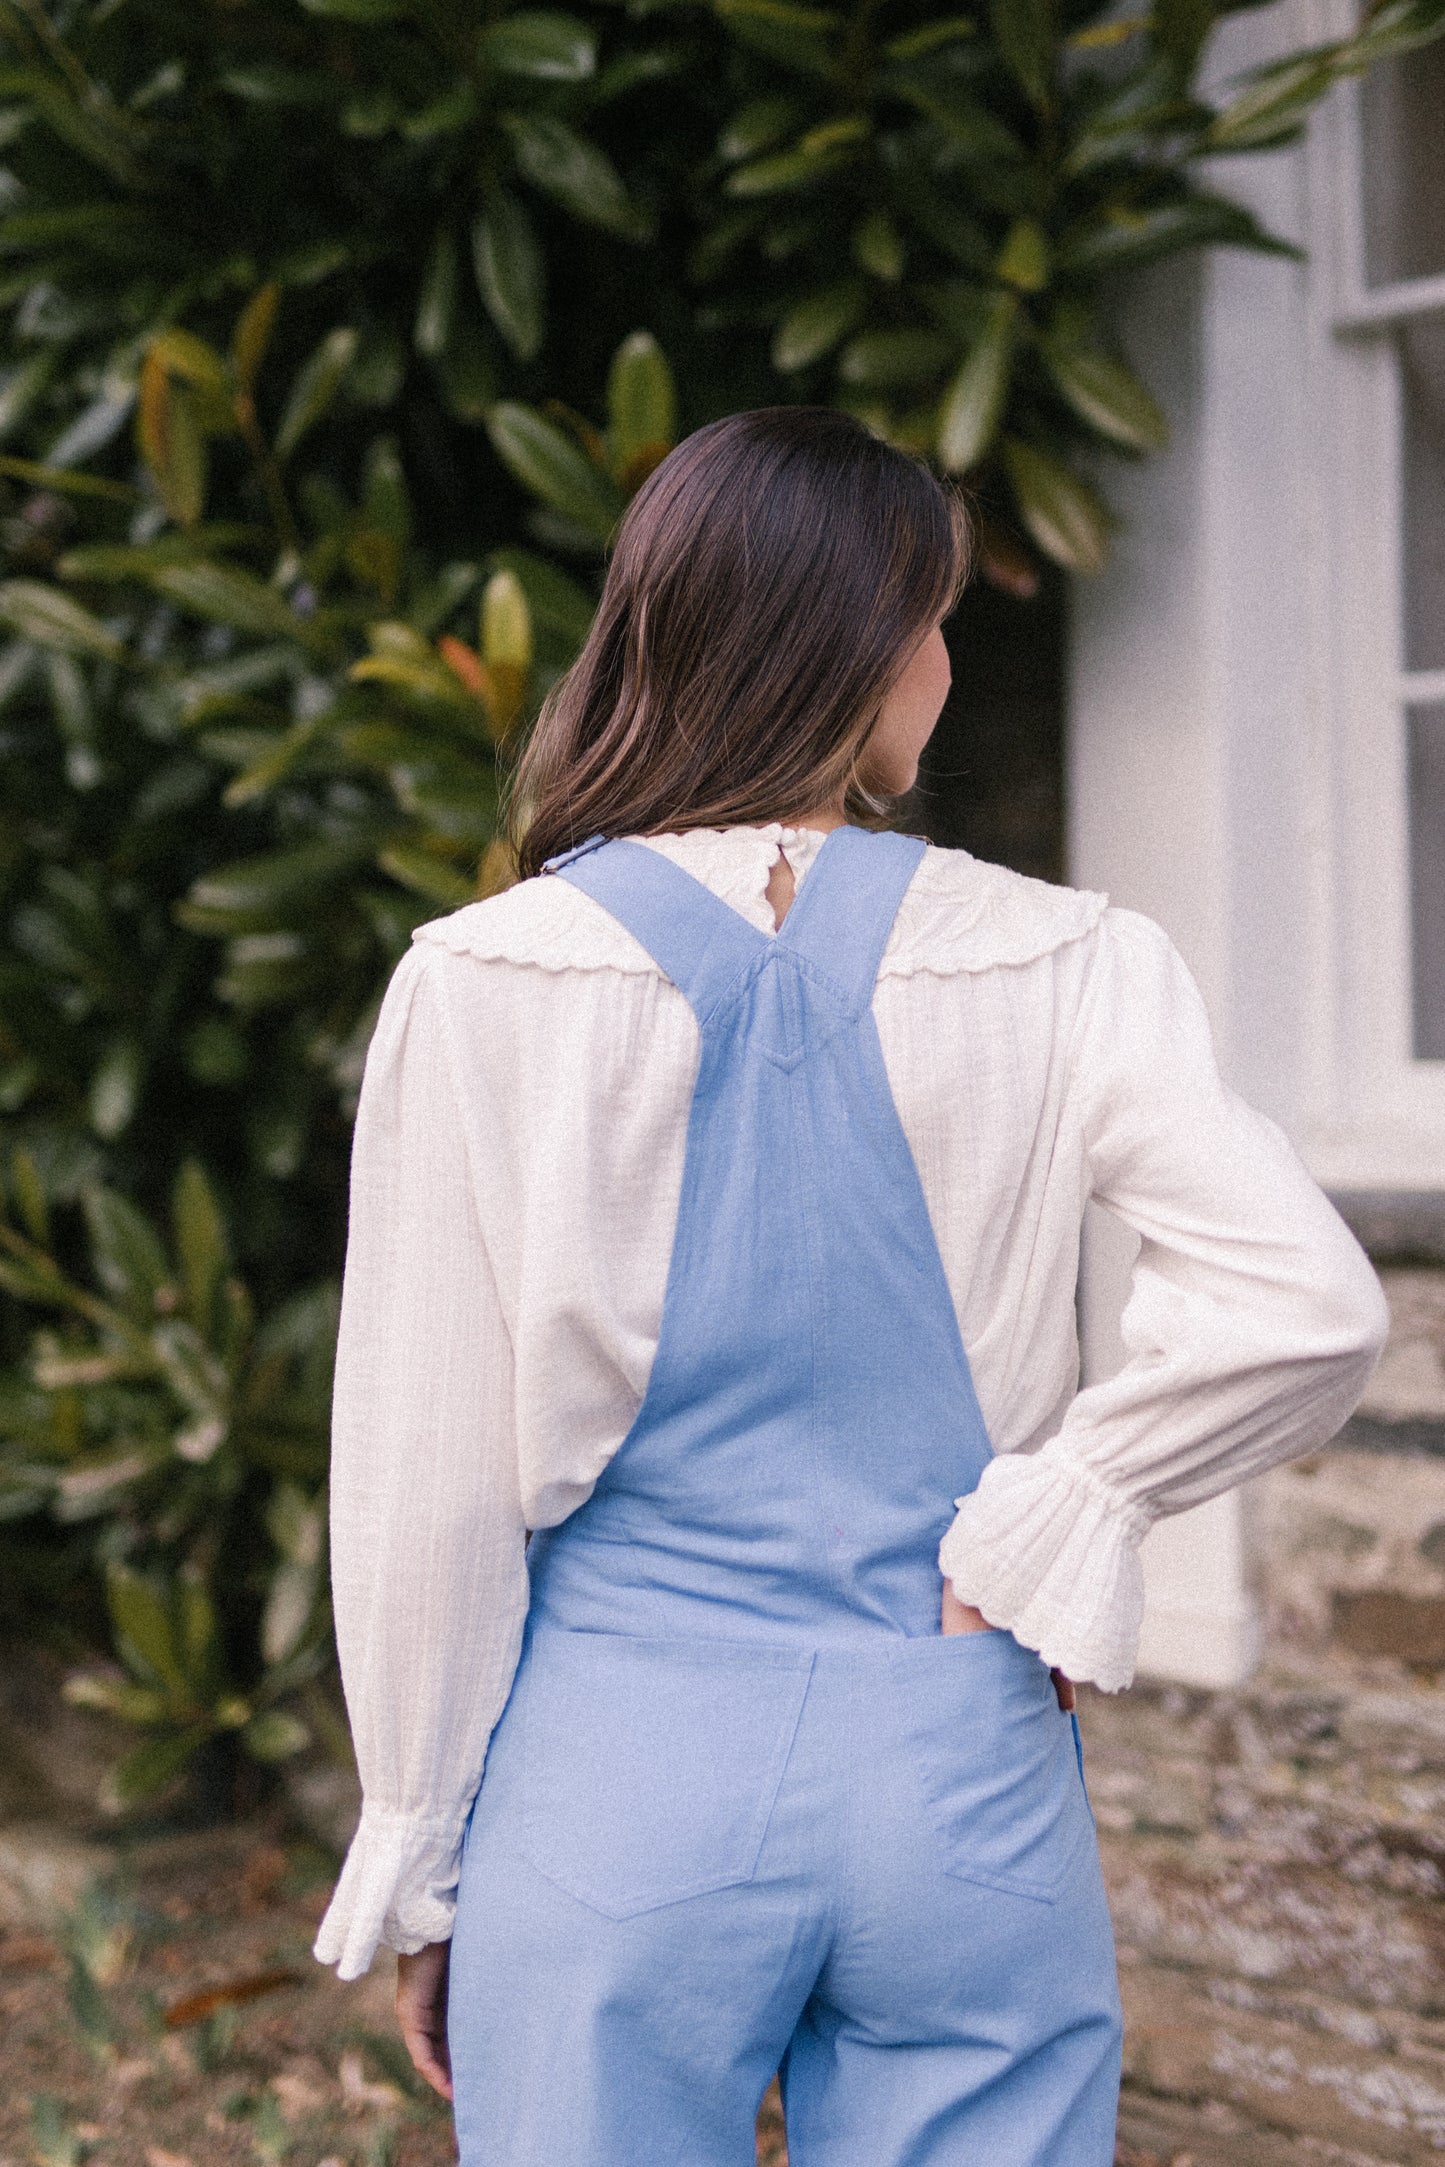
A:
{"x": 535, "y": 1846}
{"x": 1024, "y": 1885}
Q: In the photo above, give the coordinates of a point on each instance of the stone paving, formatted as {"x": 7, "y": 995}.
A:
{"x": 1276, "y": 1865}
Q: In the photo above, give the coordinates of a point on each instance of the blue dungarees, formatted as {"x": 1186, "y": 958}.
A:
{"x": 746, "y": 1807}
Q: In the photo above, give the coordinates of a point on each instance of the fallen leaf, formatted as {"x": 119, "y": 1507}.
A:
{"x": 27, "y": 1952}
{"x": 191, "y": 2008}
{"x": 155, "y": 2157}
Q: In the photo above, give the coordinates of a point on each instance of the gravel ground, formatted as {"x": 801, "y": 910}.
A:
{"x": 179, "y": 2020}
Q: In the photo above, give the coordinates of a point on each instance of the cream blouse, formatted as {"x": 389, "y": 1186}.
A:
{"x": 515, "y": 1180}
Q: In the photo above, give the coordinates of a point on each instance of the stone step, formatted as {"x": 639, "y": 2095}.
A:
{"x": 1276, "y": 1868}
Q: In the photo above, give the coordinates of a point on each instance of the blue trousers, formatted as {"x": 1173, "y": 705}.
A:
{"x": 691, "y": 1865}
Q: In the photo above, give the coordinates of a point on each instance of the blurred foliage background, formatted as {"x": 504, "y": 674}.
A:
{"x": 337, "y": 333}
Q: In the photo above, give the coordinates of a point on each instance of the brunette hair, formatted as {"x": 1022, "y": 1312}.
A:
{"x": 768, "y": 583}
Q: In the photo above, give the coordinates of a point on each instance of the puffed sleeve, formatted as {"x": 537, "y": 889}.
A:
{"x": 1253, "y": 1322}
{"x": 427, "y": 1542}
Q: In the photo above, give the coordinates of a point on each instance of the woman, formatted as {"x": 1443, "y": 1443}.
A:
{"x": 685, "y": 1173}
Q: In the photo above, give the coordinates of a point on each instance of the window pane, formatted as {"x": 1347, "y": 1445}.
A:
{"x": 1422, "y": 363}
{"x": 1427, "y": 877}
{"x": 1402, "y": 102}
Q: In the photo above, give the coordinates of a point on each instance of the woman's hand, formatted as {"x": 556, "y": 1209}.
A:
{"x": 421, "y": 2011}
{"x": 963, "y": 1618}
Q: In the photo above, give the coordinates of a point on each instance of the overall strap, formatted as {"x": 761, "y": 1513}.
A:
{"x": 845, "y": 908}
{"x": 700, "y": 943}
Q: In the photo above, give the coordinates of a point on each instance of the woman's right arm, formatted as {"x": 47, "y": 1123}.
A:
{"x": 1253, "y": 1322}
{"x": 427, "y": 1542}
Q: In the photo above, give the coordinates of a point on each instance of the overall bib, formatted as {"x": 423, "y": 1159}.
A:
{"x": 747, "y": 1809}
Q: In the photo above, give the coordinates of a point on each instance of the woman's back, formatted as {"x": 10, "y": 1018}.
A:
{"x": 734, "y": 1263}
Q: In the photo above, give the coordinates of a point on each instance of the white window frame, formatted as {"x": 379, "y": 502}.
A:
{"x": 1378, "y": 1117}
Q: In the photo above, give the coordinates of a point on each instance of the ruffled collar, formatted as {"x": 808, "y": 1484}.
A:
{"x": 737, "y": 863}
{"x": 960, "y": 913}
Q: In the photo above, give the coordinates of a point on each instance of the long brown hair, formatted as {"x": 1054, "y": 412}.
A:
{"x": 768, "y": 583}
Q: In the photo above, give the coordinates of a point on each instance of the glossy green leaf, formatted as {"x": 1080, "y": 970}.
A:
{"x": 1026, "y": 33}
{"x": 557, "y": 604}
{"x": 878, "y": 247}
{"x": 641, "y": 405}
{"x": 196, "y": 1629}
{"x": 148, "y": 1768}
{"x": 1125, "y": 239}
{"x": 930, "y": 37}
{"x": 1024, "y": 258}
{"x": 252, "y": 336}
{"x": 182, "y": 354}
{"x": 114, "y": 1696}
{"x": 425, "y": 874}
{"x": 1181, "y": 28}
{"x": 974, "y": 402}
{"x": 805, "y": 165}
{"x": 437, "y": 297}
{"x": 264, "y": 82}
{"x": 505, "y": 635}
{"x": 144, "y": 1629}
{"x": 100, "y": 133}
{"x": 317, "y": 383}
{"x": 36, "y": 475}
{"x": 171, "y": 440}
{"x": 507, "y": 258}
{"x": 976, "y": 135}
{"x": 943, "y": 219}
{"x": 254, "y": 893}
{"x": 296, "y": 1523}
{"x": 470, "y": 370}
{"x": 756, "y": 127}
{"x": 1106, "y": 395}
{"x": 797, "y": 37}
{"x": 28, "y": 1188}
{"x": 49, "y": 618}
{"x": 114, "y": 1089}
{"x": 574, "y": 172}
{"x": 226, "y": 596}
{"x": 201, "y": 1244}
{"x": 358, "y": 11}
{"x": 125, "y": 1252}
{"x": 289, "y": 1604}
{"x": 1066, "y": 517}
{"x": 549, "y": 463}
{"x": 20, "y": 387}
{"x": 814, "y": 325}
{"x": 275, "y": 1735}
{"x": 886, "y": 360}
{"x": 107, "y": 562}
{"x": 541, "y": 43}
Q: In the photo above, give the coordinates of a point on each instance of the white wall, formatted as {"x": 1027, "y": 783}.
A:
{"x": 1194, "y": 781}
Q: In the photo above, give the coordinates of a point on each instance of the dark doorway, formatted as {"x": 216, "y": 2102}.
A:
{"x": 992, "y": 779}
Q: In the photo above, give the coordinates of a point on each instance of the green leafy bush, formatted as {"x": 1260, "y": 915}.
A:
{"x": 338, "y": 333}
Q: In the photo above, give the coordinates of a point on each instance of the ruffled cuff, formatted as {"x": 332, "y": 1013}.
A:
{"x": 398, "y": 1886}
{"x": 1045, "y": 1548}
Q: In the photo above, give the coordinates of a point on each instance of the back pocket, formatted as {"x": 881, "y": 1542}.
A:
{"x": 996, "y": 1761}
{"x": 647, "y": 1769}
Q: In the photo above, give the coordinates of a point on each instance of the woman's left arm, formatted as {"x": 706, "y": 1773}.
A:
{"x": 427, "y": 1541}
{"x": 1253, "y": 1321}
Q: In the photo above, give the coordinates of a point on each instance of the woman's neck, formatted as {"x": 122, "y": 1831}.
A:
{"x": 823, "y": 818}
